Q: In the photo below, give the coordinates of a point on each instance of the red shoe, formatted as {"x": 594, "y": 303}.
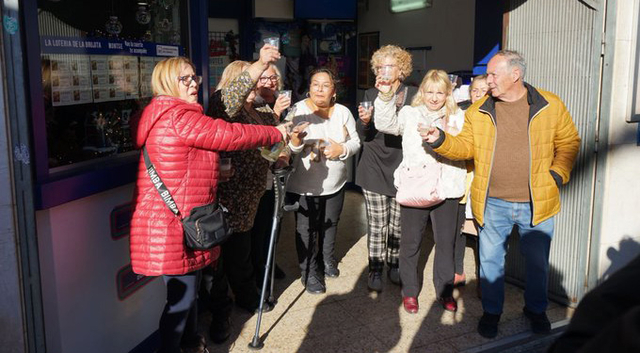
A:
{"x": 410, "y": 304}
{"x": 448, "y": 303}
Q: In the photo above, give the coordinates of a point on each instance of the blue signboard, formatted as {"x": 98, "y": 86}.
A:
{"x": 326, "y": 9}
{"x": 101, "y": 46}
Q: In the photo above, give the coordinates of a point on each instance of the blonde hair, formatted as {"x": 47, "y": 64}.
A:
{"x": 439, "y": 79}
{"x": 402, "y": 57}
{"x": 164, "y": 79}
{"x": 230, "y": 72}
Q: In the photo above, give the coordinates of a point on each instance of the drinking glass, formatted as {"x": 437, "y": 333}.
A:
{"x": 285, "y": 92}
{"x": 366, "y": 105}
{"x": 225, "y": 163}
{"x": 321, "y": 144}
{"x": 300, "y": 126}
{"x": 275, "y": 41}
{"x": 453, "y": 78}
{"x": 225, "y": 167}
{"x": 385, "y": 73}
{"x": 272, "y": 153}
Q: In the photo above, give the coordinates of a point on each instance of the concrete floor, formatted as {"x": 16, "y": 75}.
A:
{"x": 348, "y": 318}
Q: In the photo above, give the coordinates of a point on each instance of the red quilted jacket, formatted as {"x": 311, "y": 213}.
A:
{"x": 183, "y": 144}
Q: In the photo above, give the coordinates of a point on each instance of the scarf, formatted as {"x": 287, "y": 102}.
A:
{"x": 401, "y": 96}
{"x": 438, "y": 118}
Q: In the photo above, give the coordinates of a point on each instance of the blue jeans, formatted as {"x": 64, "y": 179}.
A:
{"x": 499, "y": 219}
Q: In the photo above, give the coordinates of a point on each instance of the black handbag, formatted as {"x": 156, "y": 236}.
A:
{"x": 205, "y": 227}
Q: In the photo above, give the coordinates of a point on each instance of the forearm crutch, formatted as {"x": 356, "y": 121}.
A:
{"x": 280, "y": 178}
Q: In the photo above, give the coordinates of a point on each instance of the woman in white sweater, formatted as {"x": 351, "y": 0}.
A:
{"x": 320, "y": 175}
{"x": 433, "y": 105}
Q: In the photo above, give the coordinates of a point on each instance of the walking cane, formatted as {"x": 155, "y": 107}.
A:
{"x": 280, "y": 178}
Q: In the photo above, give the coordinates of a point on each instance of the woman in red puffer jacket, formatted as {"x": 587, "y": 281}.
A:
{"x": 183, "y": 145}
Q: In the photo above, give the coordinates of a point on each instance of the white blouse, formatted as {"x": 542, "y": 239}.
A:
{"x": 314, "y": 174}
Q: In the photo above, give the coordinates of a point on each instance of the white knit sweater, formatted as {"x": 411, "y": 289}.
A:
{"x": 324, "y": 177}
{"x": 414, "y": 151}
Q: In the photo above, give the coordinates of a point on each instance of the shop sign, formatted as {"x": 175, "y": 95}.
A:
{"x": 100, "y": 46}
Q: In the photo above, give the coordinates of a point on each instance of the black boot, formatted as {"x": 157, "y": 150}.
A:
{"x": 220, "y": 329}
{"x": 314, "y": 284}
{"x": 394, "y": 275}
{"x": 488, "y": 325}
{"x": 331, "y": 269}
{"x": 197, "y": 346}
{"x": 539, "y": 322}
{"x": 375, "y": 281}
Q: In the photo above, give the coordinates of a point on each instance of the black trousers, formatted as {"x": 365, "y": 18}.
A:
{"x": 261, "y": 234}
{"x": 414, "y": 222}
{"x": 316, "y": 228}
{"x": 235, "y": 270}
{"x": 179, "y": 320}
{"x": 460, "y": 241}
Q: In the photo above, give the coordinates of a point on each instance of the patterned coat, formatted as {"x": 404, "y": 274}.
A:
{"x": 242, "y": 192}
{"x": 183, "y": 144}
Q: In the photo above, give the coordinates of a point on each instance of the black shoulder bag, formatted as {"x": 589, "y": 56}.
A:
{"x": 205, "y": 227}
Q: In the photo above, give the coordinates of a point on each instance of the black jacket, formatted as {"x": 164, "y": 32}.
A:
{"x": 381, "y": 153}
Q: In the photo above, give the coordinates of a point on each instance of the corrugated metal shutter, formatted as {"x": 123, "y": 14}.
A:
{"x": 49, "y": 25}
{"x": 556, "y": 37}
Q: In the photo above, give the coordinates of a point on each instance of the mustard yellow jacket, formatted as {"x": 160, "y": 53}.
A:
{"x": 553, "y": 144}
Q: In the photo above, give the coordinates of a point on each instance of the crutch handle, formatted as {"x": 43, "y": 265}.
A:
{"x": 293, "y": 207}
{"x": 282, "y": 171}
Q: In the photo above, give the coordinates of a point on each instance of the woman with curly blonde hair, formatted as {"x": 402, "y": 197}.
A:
{"x": 392, "y": 55}
{"x": 433, "y": 105}
{"x": 381, "y": 155}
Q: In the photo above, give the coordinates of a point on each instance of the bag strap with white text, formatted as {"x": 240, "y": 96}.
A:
{"x": 165, "y": 195}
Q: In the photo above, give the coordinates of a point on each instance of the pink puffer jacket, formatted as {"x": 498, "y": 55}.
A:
{"x": 182, "y": 143}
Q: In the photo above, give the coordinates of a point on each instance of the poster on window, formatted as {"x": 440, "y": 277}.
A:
{"x": 216, "y": 67}
{"x": 131, "y": 77}
{"x": 100, "y": 78}
{"x": 107, "y": 72}
{"x": 147, "y": 63}
{"x": 68, "y": 79}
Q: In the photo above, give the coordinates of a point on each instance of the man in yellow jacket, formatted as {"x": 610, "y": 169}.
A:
{"x": 523, "y": 143}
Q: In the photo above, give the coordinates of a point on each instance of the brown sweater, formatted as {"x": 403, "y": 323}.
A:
{"x": 509, "y": 178}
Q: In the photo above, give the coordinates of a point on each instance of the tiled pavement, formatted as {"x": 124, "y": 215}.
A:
{"x": 350, "y": 319}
